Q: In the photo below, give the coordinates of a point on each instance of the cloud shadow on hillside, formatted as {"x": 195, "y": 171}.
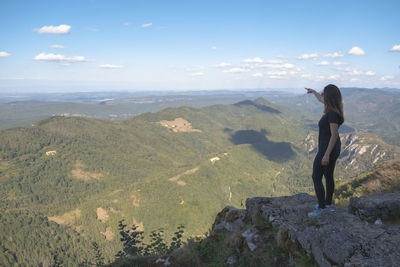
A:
{"x": 274, "y": 151}
{"x": 260, "y": 107}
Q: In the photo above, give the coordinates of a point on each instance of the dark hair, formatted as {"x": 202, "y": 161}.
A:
{"x": 333, "y": 101}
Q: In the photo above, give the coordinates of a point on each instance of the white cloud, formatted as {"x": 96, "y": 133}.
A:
{"x": 213, "y": 48}
{"x": 354, "y": 72}
{"x": 395, "y": 48}
{"x": 306, "y": 75}
{"x": 334, "y": 55}
{"x": 282, "y": 72}
{"x": 5, "y": 54}
{"x": 308, "y": 56}
{"x": 334, "y": 77}
{"x": 278, "y": 66}
{"x": 253, "y": 60}
{"x": 147, "y": 25}
{"x": 276, "y": 77}
{"x": 110, "y": 66}
{"x": 351, "y": 71}
{"x": 323, "y": 63}
{"x": 60, "y": 29}
{"x": 93, "y": 29}
{"x": 311, "y": 77}
{"x": 194, "y": 68}
{"x": 356, "y": 51}
{"x": 340, "y": 63}
{"x": 370, "y": 73}
{"x": 126, "y": 23}
{"x": 59, "y": 58}
{"x": 197, "y": 74}
{"x": 237, "y": 70}
{"x": 223, "y": 64}
{"x": 274, "y": 61}
{"x": 57, "y": 46}
{"x": 315, "y": 55}
{"x": 257, "y": 74}
{"x": 386, "y": 78}
{"x": 288, "y": 66}
{"x": 248, "y": 66}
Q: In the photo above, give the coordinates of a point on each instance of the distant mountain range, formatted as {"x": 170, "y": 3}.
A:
{"x": 71, "y": 179}
{"x": 367, "y": 110}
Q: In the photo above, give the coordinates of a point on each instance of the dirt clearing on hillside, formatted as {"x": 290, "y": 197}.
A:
{"x": 80, "y": 174}
{"x": 179, "y": 125}
{"x": 70, "y": 218}
{"x": 102, "y": 214}
{"x": 139, "y": 225}
{"x": 4, "y": 163}
{"x": 108, "y": 234}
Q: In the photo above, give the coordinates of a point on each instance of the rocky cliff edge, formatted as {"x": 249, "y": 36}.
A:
{"x": 364, "y": 233}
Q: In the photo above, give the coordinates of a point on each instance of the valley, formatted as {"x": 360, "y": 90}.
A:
{"x": 77, "y": 177}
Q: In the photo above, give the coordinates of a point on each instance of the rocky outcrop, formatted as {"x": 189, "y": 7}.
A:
{"x": 360, "y": 151}
{"x": 376, "y": 206}
{"x": 345, "y": 237}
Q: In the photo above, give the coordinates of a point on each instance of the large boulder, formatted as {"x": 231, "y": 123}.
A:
{"x": 378, "y": 205}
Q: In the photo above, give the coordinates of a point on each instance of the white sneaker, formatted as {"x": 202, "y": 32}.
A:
{"x": 316, "y": 212}
{"x": 328, "y": 207}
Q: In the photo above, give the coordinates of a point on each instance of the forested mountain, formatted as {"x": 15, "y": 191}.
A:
{"x": 109, "y": 106}
{"x": 367, "y": 110}
{"x": 67, "y": 181}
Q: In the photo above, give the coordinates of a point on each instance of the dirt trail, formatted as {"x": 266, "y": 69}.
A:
{"x": 135, "y": 201}
{"x": 176, "y": 178}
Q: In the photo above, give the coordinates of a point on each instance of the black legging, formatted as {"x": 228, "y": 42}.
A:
{"x": 327, "y": 171}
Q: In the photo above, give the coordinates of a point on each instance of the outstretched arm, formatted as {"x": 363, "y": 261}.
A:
{"x": 317, "y": 95}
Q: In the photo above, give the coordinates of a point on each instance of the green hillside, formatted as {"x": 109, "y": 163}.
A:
{"x": 385, "y": 178}
{"x": 77, "y": 177}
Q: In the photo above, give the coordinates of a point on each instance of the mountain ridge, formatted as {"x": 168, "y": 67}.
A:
{"x": 114, "y": 170}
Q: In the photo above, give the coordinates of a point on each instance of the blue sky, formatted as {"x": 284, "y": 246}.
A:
{"x": 191, "y": 45}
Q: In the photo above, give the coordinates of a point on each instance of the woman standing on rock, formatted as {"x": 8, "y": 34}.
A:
{"x": 328, "y": 146}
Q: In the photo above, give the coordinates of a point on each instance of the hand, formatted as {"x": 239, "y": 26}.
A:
{"x": 309, "y": 90}
{"x": 325, "y": 160}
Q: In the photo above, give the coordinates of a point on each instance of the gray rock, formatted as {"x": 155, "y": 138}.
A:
{"x": 335, "y": 238}
{"x": 165, "y": 262}
{"x": 231, "y": 219}
{"x": 378, "y": 205}
{"x": 252, "y": 237}
{"x": 231, "y": 260}
{"x": 253, "y": 205}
